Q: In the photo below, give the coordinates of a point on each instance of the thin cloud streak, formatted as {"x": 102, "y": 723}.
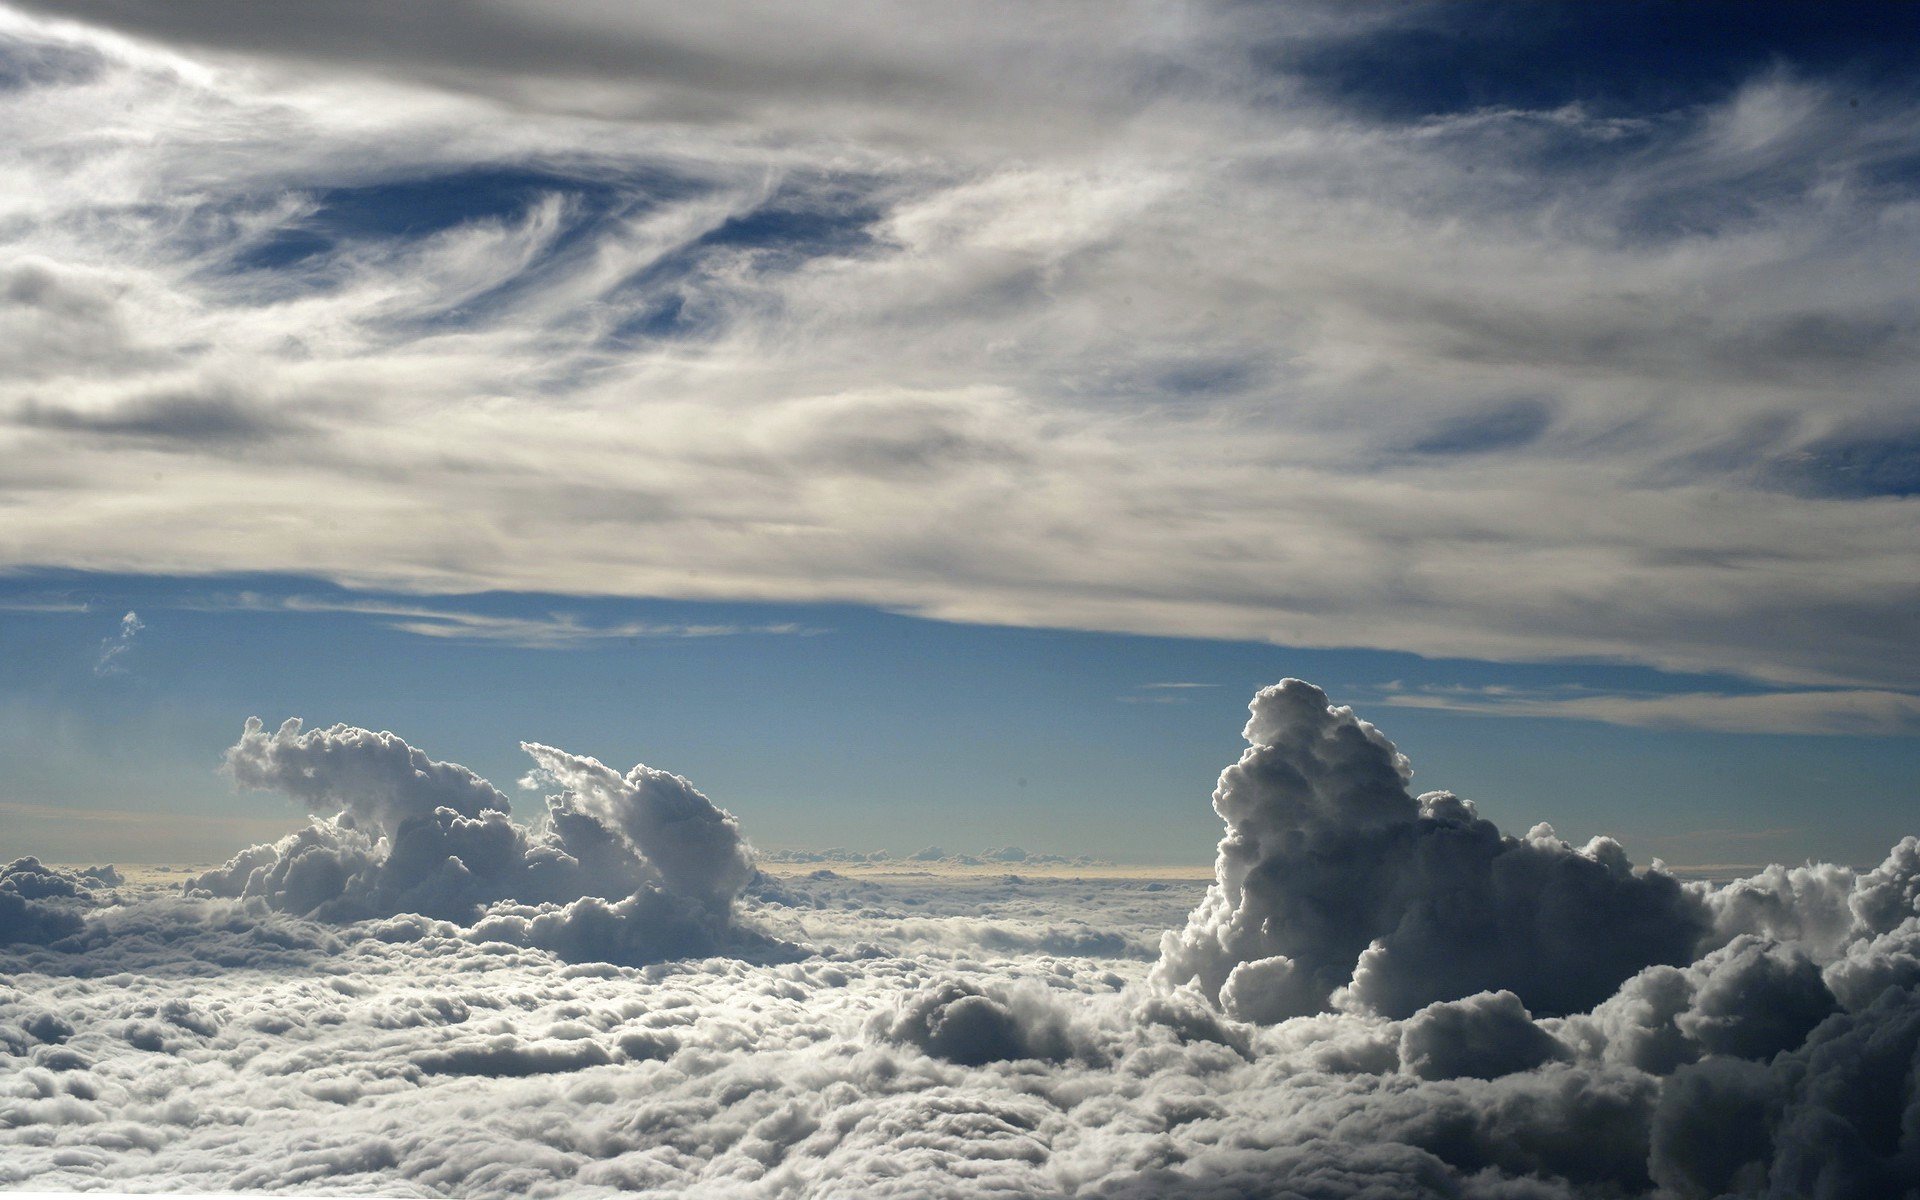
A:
{"x": 554, "y": 631}
{"x": 1852, "y": 713}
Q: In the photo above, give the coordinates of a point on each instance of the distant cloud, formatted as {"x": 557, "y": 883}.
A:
{"x": 114, "y": 649}
{"x": 44, "y": 606}
{"x": 553, "y": 631}
{"x": 1163, "y": 693}
{"x": 1848, "y": 712}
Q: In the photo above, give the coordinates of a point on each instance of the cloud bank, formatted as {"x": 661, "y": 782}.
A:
{"x": 1195, "y": 322}
{"x": 1377, "y": 994}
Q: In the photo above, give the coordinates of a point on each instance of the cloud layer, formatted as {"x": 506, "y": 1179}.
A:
{"x": 921, "y": 1034}
{"x": 1190, "y": 322}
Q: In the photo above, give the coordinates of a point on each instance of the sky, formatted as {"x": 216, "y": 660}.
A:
{"x": 929, "y": 424}
{"x": 1359, "y": 560}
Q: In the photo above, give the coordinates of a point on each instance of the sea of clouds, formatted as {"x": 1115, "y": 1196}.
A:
{"x": 1378, "y": 994}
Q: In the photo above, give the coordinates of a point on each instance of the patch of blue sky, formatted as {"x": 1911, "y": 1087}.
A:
{"x": 311, "y": 251}
{"x": 870, "y": 729}
{"x": 421, "y": 207}
{"x": 1852, "y": 466}
{"x": 677, "y": 296}
{"x": 1626, "y": 57}
{"x": 1506, "y": 425}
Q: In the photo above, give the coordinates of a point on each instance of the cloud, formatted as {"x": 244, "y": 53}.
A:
{"x": 631, "y": 869}
{"x": 695, "y": 845}
{"x": 954, "y": 1020}
{"x": 1336, "y": 886}
{"x": 373, "y": 779}
{"x": 1203, "y": 328}
{"x": 194, "y": 419}
{"x": 457, "y": 1028}
{"x": 113, "y": 650}
{"x": 554, "y": 631}
{"x": 1842, "y": 712}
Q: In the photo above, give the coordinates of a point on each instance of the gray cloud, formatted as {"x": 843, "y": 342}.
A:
{"x": 1840, "y": 712}
{"x": 201, "y": 420}
{"x": 976, "y": 317}
{"x": 40, "y": 905}
{"x": 1332, "y": 878}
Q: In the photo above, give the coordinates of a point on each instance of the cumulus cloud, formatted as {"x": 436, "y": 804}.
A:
{"x": 940, "y": 1034}
{"x": 412, "y": 835}
{"x": 372, "y": 779}
{"x": 955, "y": 1020}
{"x": 1333, "y": 878}
{"x": 41, "y": 904}
{"x": 695, "y": 845}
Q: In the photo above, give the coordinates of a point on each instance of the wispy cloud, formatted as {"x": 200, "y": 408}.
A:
{"x": 548, "y": 631}
{"x": 1857, "y": 712}
{"x": 114, "y": 649}
{"x": 1163, "y": 693}
{"x": 43, "y": 606}
{"x": 1037, "y": 323}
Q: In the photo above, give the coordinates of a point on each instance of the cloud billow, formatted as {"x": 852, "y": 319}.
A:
{"x": 412, "y": 835}
{"x": 1335, "y": 886}
{"x": 1377, "y": 994}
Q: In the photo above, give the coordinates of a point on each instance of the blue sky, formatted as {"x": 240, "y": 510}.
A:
{"x": 836, "y": 725}
{"x": 1539, "y": 379}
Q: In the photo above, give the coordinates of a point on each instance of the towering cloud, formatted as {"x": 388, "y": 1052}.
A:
{"x": 374, "y": 779}
{"x": 695, "y": 845}
{"x": 1377, "y": 995}
{"x": 412, "y": 835}
{"x": 1335, "y": 886}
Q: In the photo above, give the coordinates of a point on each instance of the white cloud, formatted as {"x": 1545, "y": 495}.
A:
{"x": 950, "y": 1036}
{"x": 990, "y": 320}
{"x": 552, "y": 631}
{"x": 113, "y": 650}
{"x": 1855, "y": 712}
